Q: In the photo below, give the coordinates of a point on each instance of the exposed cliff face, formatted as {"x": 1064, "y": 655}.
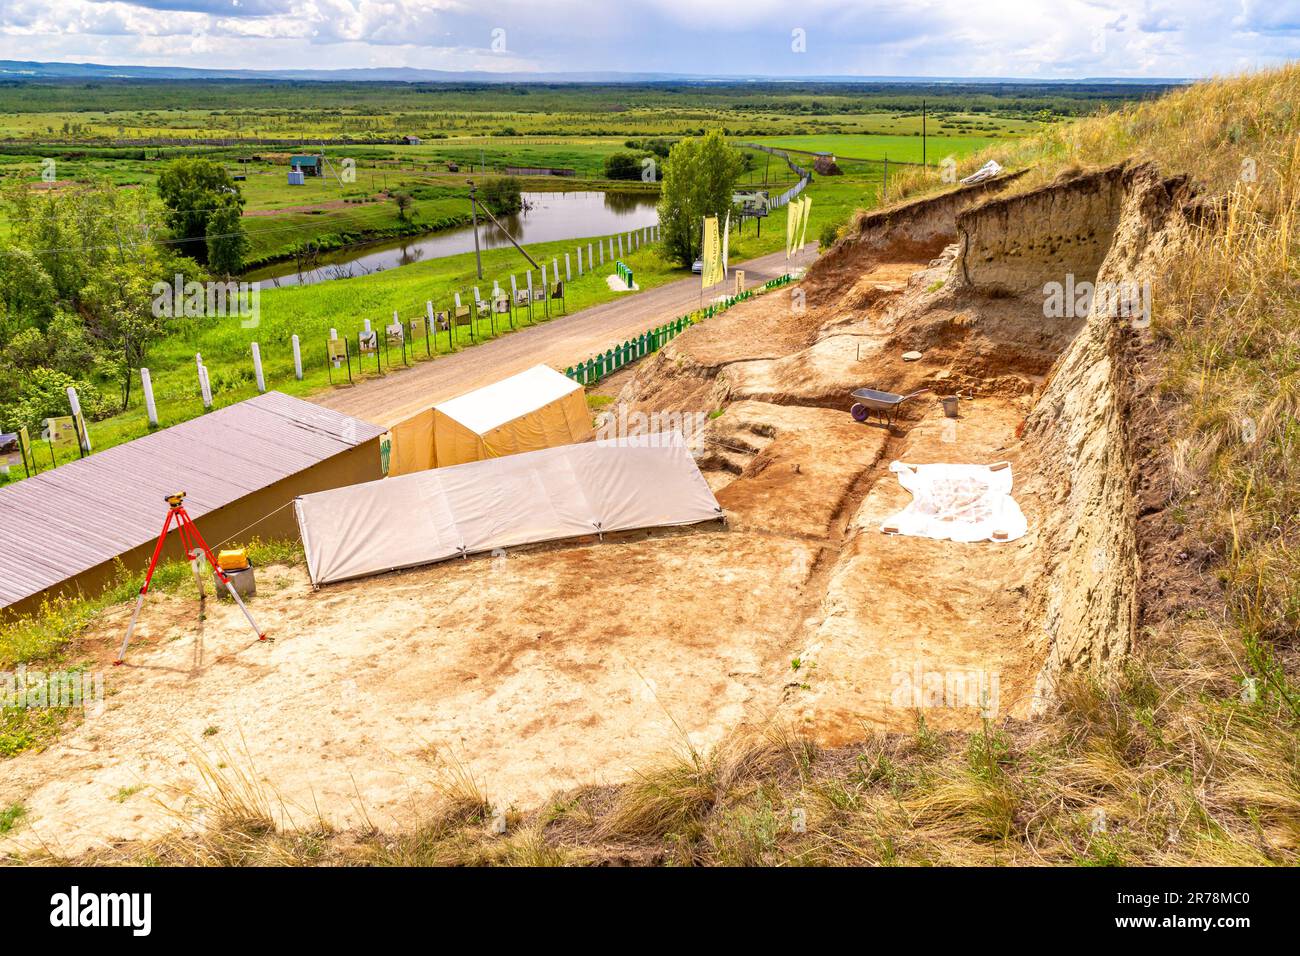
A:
{"x": 1014, "y": 245}
{"x": 914, "y": 230}
{"x": 1081, "y": 425}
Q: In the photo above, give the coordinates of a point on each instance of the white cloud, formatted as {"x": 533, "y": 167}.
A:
{"x": 1029, "y": 38}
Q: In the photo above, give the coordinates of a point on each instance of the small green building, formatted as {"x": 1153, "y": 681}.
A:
{"x": 310, "y": 165}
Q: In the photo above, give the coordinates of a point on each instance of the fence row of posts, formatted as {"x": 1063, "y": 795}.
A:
{"x": 467, "y": 318}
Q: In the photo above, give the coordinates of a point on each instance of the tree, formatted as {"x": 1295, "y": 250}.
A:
{"x": 622, "y": 166}
{"x": 227, "y": 242}
{"x": 193, "y": 190}
{"x": 76, "y": 287}
{"x": 404, "y": 202}
{"x": 503, "y": 195}
{"x": 700, "y": 178}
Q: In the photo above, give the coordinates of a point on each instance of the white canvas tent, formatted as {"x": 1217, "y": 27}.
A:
{"x": 547, "y": 495}
{"x": 538, "y": 408}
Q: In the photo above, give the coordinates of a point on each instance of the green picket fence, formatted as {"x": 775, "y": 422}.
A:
{"x": 611, "y": 360}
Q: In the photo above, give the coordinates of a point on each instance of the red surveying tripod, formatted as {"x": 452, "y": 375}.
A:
{"x": 195, "y": 550}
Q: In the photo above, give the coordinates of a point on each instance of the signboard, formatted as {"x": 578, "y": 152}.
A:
{"x": 13, "y": 452}
{"x": 368, "y": 342}
{"x": 395, "y": 333}
{"x": 61, "y": 432}
{"x": 338, "y": 352}
{"x": 740, "y": 281}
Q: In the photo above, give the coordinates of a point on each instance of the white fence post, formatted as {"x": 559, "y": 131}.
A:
{"x": 568, "y": 274}
{"x": 257, "y": 368}
{"x": 205, "y": 388}
{"x": 297, "y": 358}
{"x": 590, "y": 261}
{"x": 146, "y": 383}
{"x": 579, "y": 260}
{"x": 75, "y": 404}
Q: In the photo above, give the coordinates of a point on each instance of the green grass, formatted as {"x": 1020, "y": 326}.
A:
{"x": 10, "y": 816}
{"x": 311, "y": 311}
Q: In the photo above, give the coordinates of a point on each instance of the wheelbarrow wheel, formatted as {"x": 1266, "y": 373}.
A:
{"x": 859, "y": 412}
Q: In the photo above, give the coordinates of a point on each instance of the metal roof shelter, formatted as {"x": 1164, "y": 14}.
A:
{"x": 63, "y": 529}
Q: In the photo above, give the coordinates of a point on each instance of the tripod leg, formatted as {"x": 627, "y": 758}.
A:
{"x": 221, "y": 575}
{"x": 243, "y": 607}
{"x": 144, "y": 588}
{"x": 121, "y": 651}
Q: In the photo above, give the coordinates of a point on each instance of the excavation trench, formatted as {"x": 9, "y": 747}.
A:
{"x": 575, "y": 664}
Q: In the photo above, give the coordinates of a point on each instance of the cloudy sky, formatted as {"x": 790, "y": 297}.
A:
{"x": 1023, "y": 38}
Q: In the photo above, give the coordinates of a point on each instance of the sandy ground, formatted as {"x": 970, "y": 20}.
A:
{"x": 580, "y": 662}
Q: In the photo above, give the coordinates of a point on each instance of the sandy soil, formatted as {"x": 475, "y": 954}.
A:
{"x": 577, "y": 663}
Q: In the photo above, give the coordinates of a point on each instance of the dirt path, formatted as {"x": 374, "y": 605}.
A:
{"x": 558, "y": 343}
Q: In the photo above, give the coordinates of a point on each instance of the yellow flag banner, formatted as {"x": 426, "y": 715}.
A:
{"x": 791, "y": 221}
{"x": 805, "y": 216}
{"x": 712, "y": 253}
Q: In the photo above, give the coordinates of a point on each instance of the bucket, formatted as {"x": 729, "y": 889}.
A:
{"x": 949, "y": 406}
{"x": 243, "y": 581}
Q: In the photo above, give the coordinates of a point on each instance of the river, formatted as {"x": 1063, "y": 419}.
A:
{"x": 549, "y": 217}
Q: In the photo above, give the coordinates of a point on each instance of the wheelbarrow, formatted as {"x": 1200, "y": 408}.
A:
{"x": 883, "y": 404}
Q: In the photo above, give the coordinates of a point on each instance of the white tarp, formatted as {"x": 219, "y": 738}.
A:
{"x": 957, "y": 503}
{"x": 987, "y": 171}
{"x": 546, "y": 495}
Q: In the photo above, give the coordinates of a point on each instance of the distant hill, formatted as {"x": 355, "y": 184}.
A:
{"x": 23, "y": 69}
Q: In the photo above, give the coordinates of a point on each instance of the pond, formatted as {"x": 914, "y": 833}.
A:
{"x": 547, "y": 217}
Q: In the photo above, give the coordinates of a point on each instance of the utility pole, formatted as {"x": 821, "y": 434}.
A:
{"x": 473, "y": 211}
{"x": 923, "y": 132}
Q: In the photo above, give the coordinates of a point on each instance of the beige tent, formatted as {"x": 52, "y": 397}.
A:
{"x": 538, "y": 408}
{"x": 565, "y": 492}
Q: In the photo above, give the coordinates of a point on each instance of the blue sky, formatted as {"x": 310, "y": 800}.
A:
{"x": 1056, "y": 39}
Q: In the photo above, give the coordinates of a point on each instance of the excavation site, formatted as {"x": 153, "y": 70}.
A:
{"x": 812, "y": 608}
